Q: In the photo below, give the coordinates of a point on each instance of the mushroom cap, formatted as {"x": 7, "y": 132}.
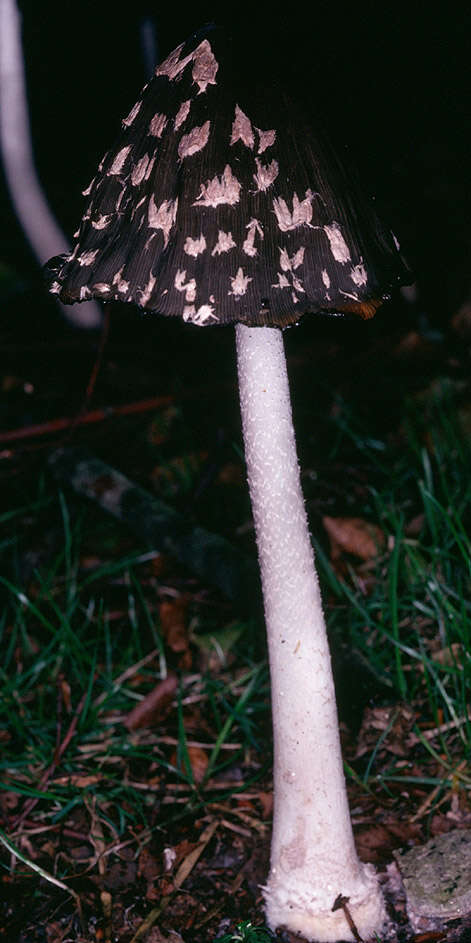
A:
{"x": 221, "y": 203}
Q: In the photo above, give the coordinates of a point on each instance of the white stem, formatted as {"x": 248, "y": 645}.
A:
{"x": 39, "y": 225}
{"x": 313, "y": 857}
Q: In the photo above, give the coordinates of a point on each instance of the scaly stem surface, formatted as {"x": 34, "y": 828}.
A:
{"x": 313, "y": 856}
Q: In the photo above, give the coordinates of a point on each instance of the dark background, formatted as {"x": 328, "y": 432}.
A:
{"x": 390, "y": 82}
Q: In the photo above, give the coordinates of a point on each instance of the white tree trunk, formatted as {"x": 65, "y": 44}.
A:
{"x": 313, "y": 857}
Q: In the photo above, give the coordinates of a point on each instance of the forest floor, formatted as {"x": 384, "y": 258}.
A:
{"x": 136, "y": 790}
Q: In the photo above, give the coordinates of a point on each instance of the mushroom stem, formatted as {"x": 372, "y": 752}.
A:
{"x": 313, "y": 856}
{"x": 16, "y": 153}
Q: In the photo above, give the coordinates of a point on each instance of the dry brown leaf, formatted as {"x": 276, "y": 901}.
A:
{"x": 148, "y": 866}
{"x": 244, "y": 802}
{"x": 353, "y": 535}
{"x": 164, "y": 887}
{"x": 79, "y": 780}
{"x": 392, "y": 724}
{"x": 431, "y": 936}
{"x": 189, "y": 862}
{"x": 66, "y": 694}
{"x": 450, "y": 656}
{"x": 181, "y": 850}
{"x": 96, "y": 834}
{"x": 106, "y": 905}
{"x": 174, "y": 623}
{"x": 266, "y": 802}
{"x": 198, "y": 762}
{"x": 154, "y": 706}
{"x": 48, "y": 849}
{"x": 376, "y": 842}
{"x": 121, "y": 874}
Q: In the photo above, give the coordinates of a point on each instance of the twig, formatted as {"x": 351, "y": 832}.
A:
{"x": 436, "y": 731}
{"x": 95, "y": 415}
{"x": 341, "y": 903}
{"x": 249, "y": 820}
{"x": 106, "y": 904}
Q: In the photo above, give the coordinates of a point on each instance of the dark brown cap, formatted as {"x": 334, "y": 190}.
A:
{"x": 220, "y": 203}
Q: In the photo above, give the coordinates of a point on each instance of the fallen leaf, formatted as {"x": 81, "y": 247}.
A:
{"x": 353, "y": 535}
{"x": 450, "y": 656}
{"x": 148, "y": 866}
{"x": 198, "y": 762}
{"x": 66, "y": 694}
{"x": 96, "y": 834}
{"x": 266, "y": 802}
{"x": 78, "y": 780}
{"x": 392, "y": 724}
{"x": 163, "y": 887}
{"x": 191, "y": 859}
{"x": 154, "y": 706}
{"x": 181, "y": 850}
{"x": 49, "y": 849}
{"x": 173, "y": 622}
{"x": 375, "y": 843}
{"x": 119, "y": 875}
{"x": 431, "y": 936}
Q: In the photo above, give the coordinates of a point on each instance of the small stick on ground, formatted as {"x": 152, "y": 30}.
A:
{"x": 342, "y": 903}
{"x": 67, "y": 423}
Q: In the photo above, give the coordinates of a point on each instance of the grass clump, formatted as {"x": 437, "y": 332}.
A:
{"x": 134, "y": 716}
{"x": 408, "y": 610}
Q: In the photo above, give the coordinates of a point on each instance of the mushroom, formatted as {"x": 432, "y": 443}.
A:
{"x": 16, "y": 154}
{"x": 219, "y": 204}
